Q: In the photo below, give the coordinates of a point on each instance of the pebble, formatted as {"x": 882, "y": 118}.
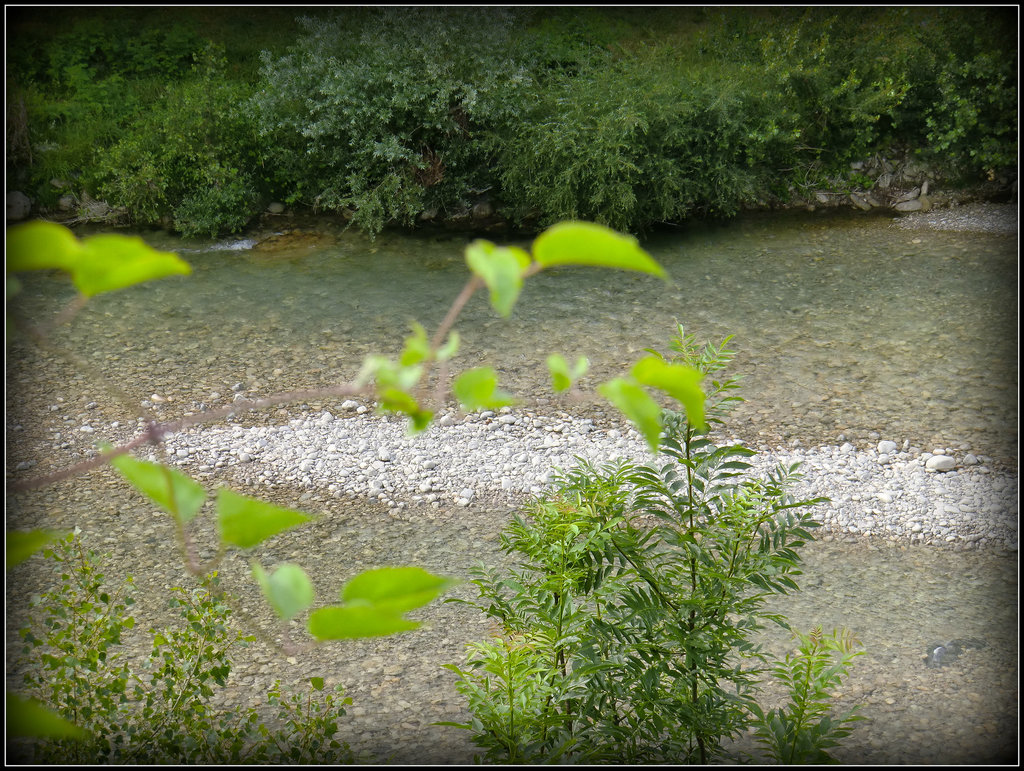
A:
{"x": 900, "y": 495}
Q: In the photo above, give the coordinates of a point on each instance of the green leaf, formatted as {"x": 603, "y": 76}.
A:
{"x": 395, "y": 589}
{"x": 245, "y": 522}
{"x": 22, "y": 544}
{"x": 168, "y": 488}
{"x": 347, "y": 623}
{"x": 374, "y": 603}
{"x": 633, "y": 402}
{"x": 108, "y": 262}
{"x": 317, "y": 683}
{"x": 501, "y": 269}
{"x": 417, "y": 346}
{"x": 561, "y": 376}
{"x": 40, "y": 246}
{"x": 100, "y": 263}
{"x": 586, "y": 243}
{"x": 450, "y": 348}
{"x": 393, "y": 400}
{"x": 27, "y": 717}
{"x": 288, "y": 589}
{"x": 680, "y": 382}
{"x": 478, "y": 389}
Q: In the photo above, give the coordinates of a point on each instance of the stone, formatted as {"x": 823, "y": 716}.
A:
{"x": 886, "y": 447}
{"x": 19, "y": 206}
{"x": 482, "y": 210}
{"x": 940, "y": 463}
{"x": 276, "y": 208}
{"x": 914, "y": 205}
{"x": 859, "y": 202}
{"x": 66, "y": 203}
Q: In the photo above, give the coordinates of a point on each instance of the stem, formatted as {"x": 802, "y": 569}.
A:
{"x": 453, "y": 312}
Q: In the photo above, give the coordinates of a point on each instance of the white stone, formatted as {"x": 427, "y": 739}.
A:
{"x": 886, "y": 447}
{"x": 940, "y": 463}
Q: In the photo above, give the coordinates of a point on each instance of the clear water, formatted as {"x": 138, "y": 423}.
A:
{"x": 843, "y": 325}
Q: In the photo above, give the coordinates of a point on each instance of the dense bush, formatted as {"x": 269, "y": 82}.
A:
{"x": 642, "y": 140}
{"x": 392, "y": 112}
{"x": 609, "y": 114}
{"x": 192, "y": 156}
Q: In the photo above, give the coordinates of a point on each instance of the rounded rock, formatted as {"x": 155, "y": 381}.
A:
{"x": 940, "y": 463}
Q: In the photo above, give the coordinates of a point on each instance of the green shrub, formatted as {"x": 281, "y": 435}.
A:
{"x": 626, "y": 631}
{"x": 387, "y": 113}
{"x": 192, "y": 156}
{"x": 159, "y": 711}
{"x": 642, "y": 141}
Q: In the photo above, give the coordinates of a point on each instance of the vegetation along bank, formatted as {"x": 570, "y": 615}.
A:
{"x": 202, "y": 119}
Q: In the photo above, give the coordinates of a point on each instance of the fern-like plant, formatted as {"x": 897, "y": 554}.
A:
{"x": 627, "y": 633}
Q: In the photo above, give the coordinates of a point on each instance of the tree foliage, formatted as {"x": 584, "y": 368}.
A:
{"x": 627, "y": 118}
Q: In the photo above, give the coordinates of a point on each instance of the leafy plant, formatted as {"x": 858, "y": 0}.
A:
{"x": 801, "y": 732}
{"x": 625, "y": 634}
{"x": 159, "y": 712}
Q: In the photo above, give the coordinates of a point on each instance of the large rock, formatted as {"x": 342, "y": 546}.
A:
{"x": 914, "y": 205}
{"x": 19, "y": 206}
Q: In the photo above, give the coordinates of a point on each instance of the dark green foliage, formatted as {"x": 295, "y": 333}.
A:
{"x": 158, "y": 710}
{"x": 627, "y": 117}
{"x": 192, "y": 156}
{"x": 390, "y": 112}
{"x": 626, "y": 632}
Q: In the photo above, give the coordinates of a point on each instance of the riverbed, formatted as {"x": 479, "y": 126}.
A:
{"x": 850, "y": 331}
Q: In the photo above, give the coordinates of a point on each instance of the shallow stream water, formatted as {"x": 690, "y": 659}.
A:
{"x": 843, "y": 325}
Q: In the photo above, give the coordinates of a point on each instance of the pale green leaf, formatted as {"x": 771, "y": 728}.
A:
{"x": 245, "y": 522}
{"x": 22, "y": 544}
{"x": 347, "y": 623}
{"x": 29, "y": 718}
{"x": 40, "y": 246}
{"x": 633, "y": 402}
{"x": 561, "y": 380}
{"x": 562, "y": 377}
{"x": 586, "y": 243}
{"x": 168, "y": 488}
{"x": 110, "y": 261}
{"x": 288, "y": 589}
{"x": 398, "y": 589}
{"x": 417, "y": 346}
{"x": 501, "y": 269}
{"x": 450, "y": 348}
{"x": 680, "y": 382}
{"x": 478, "y": 389}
